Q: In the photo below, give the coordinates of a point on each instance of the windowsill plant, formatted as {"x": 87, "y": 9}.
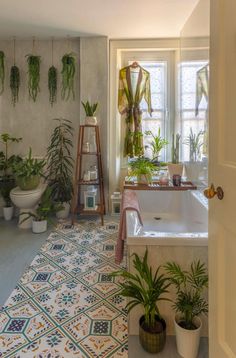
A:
{"x": 175, "y": 167}
{"x": 157, "y": 144}
{"x": 143, "y": 169}
{"x": 194, "y": 166}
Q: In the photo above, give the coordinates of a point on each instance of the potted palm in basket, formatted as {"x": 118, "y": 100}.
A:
{"x": 189, "y": 304}
{"x": 146, "y": 288}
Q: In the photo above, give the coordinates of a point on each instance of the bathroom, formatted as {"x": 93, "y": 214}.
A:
{"x": 59, "y": 293}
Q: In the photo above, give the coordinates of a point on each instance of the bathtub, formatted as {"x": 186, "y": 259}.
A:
{"x": 175, "y": 228}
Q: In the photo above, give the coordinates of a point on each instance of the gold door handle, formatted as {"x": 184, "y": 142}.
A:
{"x": 211, "y": 192}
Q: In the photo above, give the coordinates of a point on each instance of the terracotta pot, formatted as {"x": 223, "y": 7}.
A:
{"x": 152, "y": 342}
{"x": 30, "y": 183}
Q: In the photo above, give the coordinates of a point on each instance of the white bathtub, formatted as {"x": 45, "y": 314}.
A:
{"x": 175, "y": 228}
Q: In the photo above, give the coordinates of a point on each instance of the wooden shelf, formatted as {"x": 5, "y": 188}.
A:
{"x": 88, "y": 182}
{"x": 90, "y": 153}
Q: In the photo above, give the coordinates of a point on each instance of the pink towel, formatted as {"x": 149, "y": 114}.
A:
{"x": 129, "y": 202}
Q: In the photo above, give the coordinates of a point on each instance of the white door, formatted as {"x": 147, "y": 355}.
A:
{"x": 222, "y": 221}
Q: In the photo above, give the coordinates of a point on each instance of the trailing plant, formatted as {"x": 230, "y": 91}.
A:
{"x": 157, "y": 144}
{"x": 68, "y": 74}
{"x": 6, "y": 162}
{"x": 195, "y": 142}
{"x": 2, "y": 71}
{"x": 52, "y": 84}
{"x": 29, "y": 167}
{"x": 144, "y": 288}
{"x": 60, "y": 161}
{"x": 175, "y": 148}
{"x": 142, "y": 166}
{"x": 14, "y": 84}
{"x": 89, "y": 108}
{"x": 33, "y": 75}
{"x": 189, "y": 286}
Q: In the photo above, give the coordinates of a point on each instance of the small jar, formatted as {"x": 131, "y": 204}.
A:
{"x": 86, "y": 147}
{"x": 163, "y": 180}
{"x": 86, "y": 176}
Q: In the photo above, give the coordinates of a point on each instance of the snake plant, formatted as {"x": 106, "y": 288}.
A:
{"x": 52, "y": 84}
{"x": 33, "y": 75}
{"x": 68, "y": 74}
{"x": 14, "y": 84}
{"x": 2, "y": 71}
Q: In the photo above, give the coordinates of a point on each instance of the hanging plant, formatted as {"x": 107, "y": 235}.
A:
{"x": 14, "y": 84}
{"x": 33, "y": 75}
{"x": 68, "y": 74}
{"x": 2, "y": 71}
{"x": 52, "y": 84}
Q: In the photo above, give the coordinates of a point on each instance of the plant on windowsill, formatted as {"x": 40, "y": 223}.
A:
{"x": 143, "y": 169}
{"x": 194, "y": 166}
{"x": 175, "y": 167}
{"x": 189, "y": 304}
{"x": 146, "y": 288}
{"x": 157, "y": 144}
{"x": 90, "y": 111}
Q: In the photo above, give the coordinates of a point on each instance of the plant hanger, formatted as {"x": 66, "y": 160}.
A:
{"x": 52, "y": 80}
{"x": 33, "y": 73}
{"x": 14, "y": 77}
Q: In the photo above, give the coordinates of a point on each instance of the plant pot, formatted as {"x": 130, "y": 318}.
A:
{"x": 64, "y": 213}
{"x": 143, "y": 179}
{"x": 193, "y": 170}
{"x": 152, "y": 342}
{"x": 8, "y": 212}
{"x": 91, "y": 121}
{"x": 187, "y": 340}
{"x": 39, "y": 226}
{"x": 30, "y": 183}
{"x": 174, "y": 169}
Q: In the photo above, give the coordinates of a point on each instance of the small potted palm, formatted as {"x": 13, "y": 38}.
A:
{"x": 90, "y": 111}
{"x": 175, "y": 167}
{"x": 193, "y": 167}
{"x": 189, "y": 305}
{"x": 157, "y": 144}
{"x": 146, "y": 288}
{"x": 143, "y": 169}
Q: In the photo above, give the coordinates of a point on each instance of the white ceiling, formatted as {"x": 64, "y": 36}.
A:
{"x": 112, "y": 18}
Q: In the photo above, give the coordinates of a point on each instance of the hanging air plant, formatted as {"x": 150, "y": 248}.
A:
{"x": 14, "y": 84}
{"x": 33, "y": 75}
{"x": 68, "y": 74}
{"x": 52, "y": 84}
{"x": 2, "y": 72}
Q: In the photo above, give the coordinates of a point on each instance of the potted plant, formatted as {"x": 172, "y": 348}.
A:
{"x": 90, "y": 111}
{"x": 6, "y": 185}
{"x": 143, "y": 169}
{"x": 146, "y": 288}
{"x": 157, "y": 144}
{"x": 175, "y": 167}
{"x": 60, "y": 165}
{"x": 189, "y": 304}
{"x": 28, "y": 172}
{"x": 46, "y": 208}
{"x": 194, "y": 166}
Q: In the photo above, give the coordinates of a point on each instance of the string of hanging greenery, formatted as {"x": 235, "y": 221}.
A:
{"x": 52, "y": 82}
{"x": 14, "y": 80}
{"x": 2, "y": 71}
{"x": 33, "y": 75}
{"x": 68, "y": 74}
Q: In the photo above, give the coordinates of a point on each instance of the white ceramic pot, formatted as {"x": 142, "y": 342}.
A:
{"x": 174, "y": 169}
{"x": 91, "y": 121}
{"x": 188, "y": 340}
{"x": 39, "y": 226}
{"x": 193, "y": 171}
{"x": 64, "y": 213}
{"x": 8, "y": 212}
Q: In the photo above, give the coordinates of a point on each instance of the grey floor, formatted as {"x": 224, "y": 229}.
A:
{"x": 17, "y": 250}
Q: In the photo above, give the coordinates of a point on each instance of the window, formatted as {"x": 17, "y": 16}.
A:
{"x": 188, "y": 80}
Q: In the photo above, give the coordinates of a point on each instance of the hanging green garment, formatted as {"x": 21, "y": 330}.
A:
{"x": 129, "y": 106}
{"x": 202, "y": 88}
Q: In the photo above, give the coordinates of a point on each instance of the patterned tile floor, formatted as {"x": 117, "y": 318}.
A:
{"x": 66, "y": 304}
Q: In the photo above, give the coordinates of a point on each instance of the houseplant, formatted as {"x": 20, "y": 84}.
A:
{"x": 28, "y": 172}
{"x": 194, "y": 166}
{"x": 60, "y": 165}
{"x": 189, "y": 304}
{"x": 42, "y": 215}
{"x": 146, "y": 288}
{"x": 143, "y": 169}
{"x": 175, "y": 167}
{"x": 68, "y": 75}
{"x": 33, "y": 75}
{"x": 157, "y": 144}
{"x": 90, "y": 111}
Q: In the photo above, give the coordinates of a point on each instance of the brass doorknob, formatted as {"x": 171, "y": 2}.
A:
{"x": 211, "y": 192}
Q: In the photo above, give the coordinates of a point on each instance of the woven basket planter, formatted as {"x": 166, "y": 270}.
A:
{"x": 152, "y": 342}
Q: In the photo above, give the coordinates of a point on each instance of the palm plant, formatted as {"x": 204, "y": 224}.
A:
{"x": 157, "y": 144}
{"x": 142, "y": 167}
{"x": 189, "y": 289}
{"x": 195, "y": 142}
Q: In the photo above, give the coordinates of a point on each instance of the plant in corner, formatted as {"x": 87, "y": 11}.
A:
{"x": 157, "y": 144}
{"x": 143, "y": 169}
{"x": 175, "y": 167}
{"x": 146, "y": 288}
{"x": 189, "y": 304}
{"x": 90, "y": 111}
{"x": 60, "y": 164}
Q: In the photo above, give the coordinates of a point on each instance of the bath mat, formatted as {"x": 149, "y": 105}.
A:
{"x": 66, "y": 304}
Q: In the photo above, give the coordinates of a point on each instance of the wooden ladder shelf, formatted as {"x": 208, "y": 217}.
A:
{"x": 77, "y": 206}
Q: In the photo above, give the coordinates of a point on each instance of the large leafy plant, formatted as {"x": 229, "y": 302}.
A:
{"x": 190, "y": 286}
{"x": 144, "y": 288}
{"x": 142, "y": 167}
{"x": 157, "y": 143}
{"x": 60, "y": 161}
{"x": 29, "y": 167}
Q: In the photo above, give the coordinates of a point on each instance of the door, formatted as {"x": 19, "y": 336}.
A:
{"x": 222, "y": 213}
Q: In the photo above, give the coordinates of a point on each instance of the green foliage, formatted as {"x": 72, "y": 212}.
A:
{"x": 68, "y": 74}
{"x": 89, "y": 108}
{"x": 2, "y": 71}
{"x": 175, "y": 148}
{"x": 45, "y": 209}
{"x": 144, "y": 288}
{"x": 6, "y": 162}
{"x": 189, "y": 289}
{"x": 29, "y": 167}
{"x": 14, "y": 84}
{"x": 195, "y": 142}
{"x": 52, "y": 84}
{"x": 142, "y": 166}
{"x": 157, "y": 144}
{"x": 60, "y": 161}
{"x": 7, "y": 183}
{"x": 33, "y": 75}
